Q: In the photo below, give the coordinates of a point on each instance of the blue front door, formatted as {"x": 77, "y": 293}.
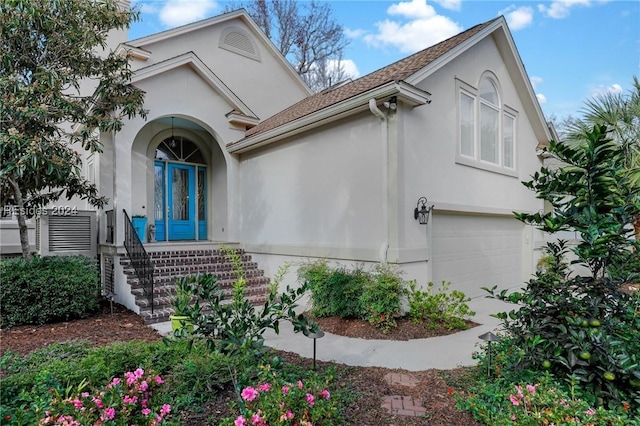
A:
{"x": 181, "y": 200}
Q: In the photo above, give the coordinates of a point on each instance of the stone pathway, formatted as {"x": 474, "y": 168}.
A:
{"x": 402, "y": 405}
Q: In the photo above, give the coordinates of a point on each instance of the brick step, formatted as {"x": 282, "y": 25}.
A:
{"x": 254, "y": 278}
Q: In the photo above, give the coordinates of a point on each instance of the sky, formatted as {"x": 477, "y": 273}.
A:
{"x": 572, "y": 50}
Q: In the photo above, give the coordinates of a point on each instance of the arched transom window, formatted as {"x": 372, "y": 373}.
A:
{"x": 179, "y": 149}
{"x": 486, "y": 126}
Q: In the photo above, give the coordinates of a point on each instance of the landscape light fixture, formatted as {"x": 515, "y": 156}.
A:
{"x": 317, "y": 335}
{"x": 421, "y": 212}
{"x": 392, "y": 103}
{"x": 489, "y": 337}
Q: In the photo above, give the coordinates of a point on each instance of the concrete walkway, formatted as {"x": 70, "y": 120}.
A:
{"x": 444, "y": 352}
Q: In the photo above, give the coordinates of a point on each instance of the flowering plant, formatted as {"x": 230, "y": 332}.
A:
{"x": 124, "y": 401}
{"x": 544, "y": 404}
{"x": 277, "y": 402}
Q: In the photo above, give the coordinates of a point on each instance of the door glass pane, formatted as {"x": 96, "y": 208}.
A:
{"x": 180, "y": 192}
{"x": 201, "y": 189}
{"x": 158, "y": 194}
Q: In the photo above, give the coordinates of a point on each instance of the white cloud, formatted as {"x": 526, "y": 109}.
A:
{"x": 542, "y": 99}
{"x": 422, "y": 28}
{"x": 180, "y": 12}
{"x": 145, "y": 7}
{"x": 535, "y": 81}
{"x": 354, "y": 33}
{"x": 450, "y": 4}
{"x": 350, "y": 68}
{"x": 561, "y": 8}
{"x": 518, "y": 18}
{"x": 615, "y": 89}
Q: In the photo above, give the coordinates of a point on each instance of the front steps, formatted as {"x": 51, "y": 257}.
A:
{"x": 172, "y": 264}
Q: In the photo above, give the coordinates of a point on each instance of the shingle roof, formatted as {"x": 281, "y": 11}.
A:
{"x": 397, "y": 71}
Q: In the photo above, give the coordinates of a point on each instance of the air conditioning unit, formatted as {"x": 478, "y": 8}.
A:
{"x": 67, "y": 234}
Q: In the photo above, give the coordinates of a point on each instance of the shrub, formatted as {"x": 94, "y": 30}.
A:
{"x": 42, "y": 290}
{"x": 446, "y": 307}
{"x": 273, "y": 400}
{"x": 380, "y": 298}
{"x": 335, "y": 291}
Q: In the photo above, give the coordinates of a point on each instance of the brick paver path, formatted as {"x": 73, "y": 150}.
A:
{"x": 402, "y": 405}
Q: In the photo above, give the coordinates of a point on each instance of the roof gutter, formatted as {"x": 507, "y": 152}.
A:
{"x": 408, "y": 94}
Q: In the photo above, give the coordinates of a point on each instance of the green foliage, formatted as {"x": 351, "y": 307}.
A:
{"x": 182, "y": 300}
{"x": 47, "y": 49}
{"x": 42, "y": 290}
{"x": 380, "y": 299}
{"x": 583, "y": 328}
{"x": 334, "y": 291}
{"x": 237, "y": 327}
{"x": 443, "y": 306}
{"x": 189, "y": 370}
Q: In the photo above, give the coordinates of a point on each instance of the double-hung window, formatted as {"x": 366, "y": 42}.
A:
{"x": 486, "y": 127}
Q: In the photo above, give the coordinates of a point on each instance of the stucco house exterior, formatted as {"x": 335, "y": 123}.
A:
{"x": 236, "y": 149}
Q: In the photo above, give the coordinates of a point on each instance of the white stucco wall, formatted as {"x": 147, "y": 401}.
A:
{"x": 317, "y": 194}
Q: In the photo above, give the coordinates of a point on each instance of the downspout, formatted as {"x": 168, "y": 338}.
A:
{"x": 384, "y": 247}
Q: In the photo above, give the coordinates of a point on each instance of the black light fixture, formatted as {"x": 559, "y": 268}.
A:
{"x": 317, "y": 335}
{"x": 421, "y": 212}
{"x": 172, "y": 141}
{"x": 489, "y": 337}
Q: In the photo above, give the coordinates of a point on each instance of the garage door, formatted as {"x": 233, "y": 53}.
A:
{"x": 476, "y": 251}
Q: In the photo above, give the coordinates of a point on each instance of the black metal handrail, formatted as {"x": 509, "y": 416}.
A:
{"x": 139, "y": 258}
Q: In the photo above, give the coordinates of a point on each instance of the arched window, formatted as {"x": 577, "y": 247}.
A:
{"x": 486, "y": 126}
{"x": 179, "y": 149}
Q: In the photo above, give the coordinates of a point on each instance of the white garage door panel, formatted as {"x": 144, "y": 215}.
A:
{"x": 476, "y": 251}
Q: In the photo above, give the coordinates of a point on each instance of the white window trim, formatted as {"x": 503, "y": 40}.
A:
{"x": 475, "y": 161}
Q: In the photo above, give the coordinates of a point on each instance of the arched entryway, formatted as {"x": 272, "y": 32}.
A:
{"x": 180, "y": 190}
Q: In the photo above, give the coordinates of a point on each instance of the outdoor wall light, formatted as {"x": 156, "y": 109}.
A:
{"x": 421, "y": 213}
{"x": 172, "y": 141}
{"x": 392, "y": 103}
{"x": 317, "y": 335}
{"x": 489, "y": 337}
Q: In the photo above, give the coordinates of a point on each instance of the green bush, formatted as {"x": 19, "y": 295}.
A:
{"x": 380, "y": 299}
{"x": 445, "y": 307}
{"x": 335, "y": 291}
{"x": 42, "y": 290}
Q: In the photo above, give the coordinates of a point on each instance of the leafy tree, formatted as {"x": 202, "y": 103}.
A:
{"x": 51, "y": 51}
{"x": 307, "y": 35}
{"x": 583, "y": 328}
{"x": 620, "y": 112}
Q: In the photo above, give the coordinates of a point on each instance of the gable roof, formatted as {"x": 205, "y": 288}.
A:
{"x": 398, "y": 71}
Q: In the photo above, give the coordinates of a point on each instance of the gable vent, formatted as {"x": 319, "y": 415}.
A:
{"x": 237, "y": 40}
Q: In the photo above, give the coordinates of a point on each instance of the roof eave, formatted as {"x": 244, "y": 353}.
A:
{"x": 406, "y": 93}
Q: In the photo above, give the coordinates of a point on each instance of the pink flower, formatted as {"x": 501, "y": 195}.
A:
{"x": 265, "y": 387}
{"x": 84, "y": 394}
{"x": 300, "y": 384}
{"x": 285, "y": 389}
{"x": 513, "y": 417}
{"x": 249, "y": 393}
{"x": 590, "y": 412}
{"x": 256, "y": 419}
{"x": 325, "y": 394}
{"x": 310, "y": 399}
{"x": 115, "y": 381}
{"x": 145, "y": 412}
{"x": 130, "y": 399}
{"x": 519, "y": 390}
{"x": 108, "y": 414}
{"x": 144, "y": 386}
{"x": 240, "y": 421}
{"x": 531, "y": 389}
{"x": 159, "y": 380}
{"x": 77, "y": 403}
{"x": 139, "y": 372}
{"x": 514, "y": 399}
{"x": 166, "y": 409}
{"x": 98, "y": 402}
{"x": 289, "y": 414}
